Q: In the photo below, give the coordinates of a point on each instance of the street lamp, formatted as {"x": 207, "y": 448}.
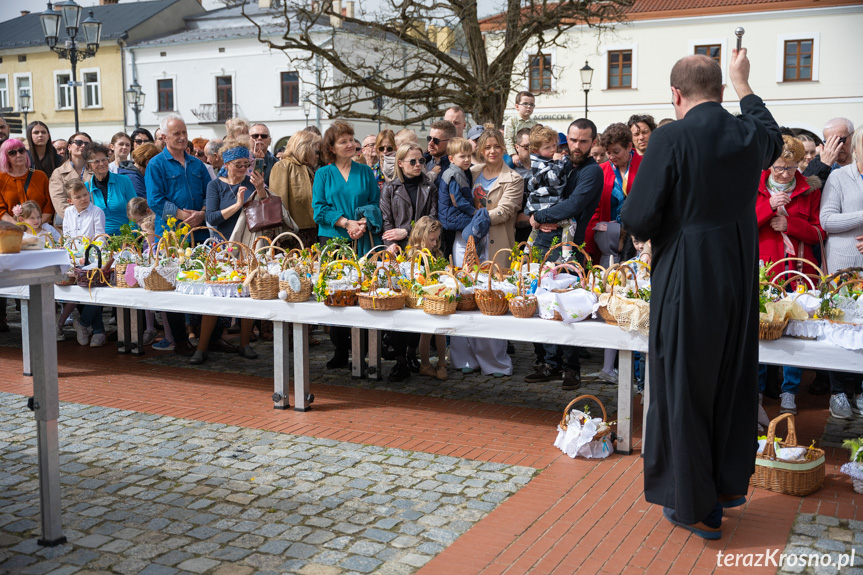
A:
{"x": 24, "y": 102}
{"x": 586, "y": 78}
{"x": 378, "y": 101}
{"x": 91, "y": 28}
{"x": 135, "y": 98}
{"x": 307, "y": 109}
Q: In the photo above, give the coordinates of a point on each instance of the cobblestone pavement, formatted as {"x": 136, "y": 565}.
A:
{"x": 822, "y": 535}
{"x": 158, "y": 495}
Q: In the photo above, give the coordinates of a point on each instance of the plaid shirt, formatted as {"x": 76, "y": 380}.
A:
{"x": 547, "y": 182}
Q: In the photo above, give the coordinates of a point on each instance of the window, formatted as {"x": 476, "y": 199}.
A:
{"x": 798, "y": 61}
{"x": 290, "y": 89}
{"x": 224, "y": 97}
{"x": 711, "y": 50}
{"x": 165, "y": 91}
{"x": 92, "y": 91}
{"x": 23, "y": 83}
{"x": 620, "y": 69}
{"x": 22, "y": 58}
{"x": 540, "y": 73}
{"x": 64, "y": 91}
{"x": 4, "y": 92}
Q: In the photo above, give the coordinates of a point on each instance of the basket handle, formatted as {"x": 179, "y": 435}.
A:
{"x": 98, "y": 255}
{"x": 769, "y": 449}
{"x": 817, "y": 269}
{"x": 445, "y": 272}
{"x": 572, "y": 403}
{"x": 289, "y": 234}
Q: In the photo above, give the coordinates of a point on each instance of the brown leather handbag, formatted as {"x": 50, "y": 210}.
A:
{"x": 263, "y": 214}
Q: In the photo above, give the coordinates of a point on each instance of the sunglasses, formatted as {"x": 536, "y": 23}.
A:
{"x": 415, "y": 161}
{"x": 16, "y": 151}
{"x": 387, "y": 149}
{"x": 358, "y": 150}
{"x": 843, "y": 139}
{"x": 260, "y": 136}
{"x": 436, "y": 141}
{"x": 79, "y": 142}
{"x": 243, "y": 165}
{"x": 141, "y": 141}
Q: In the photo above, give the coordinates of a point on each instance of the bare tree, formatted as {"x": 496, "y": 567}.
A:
{"x": 420, "y": 56}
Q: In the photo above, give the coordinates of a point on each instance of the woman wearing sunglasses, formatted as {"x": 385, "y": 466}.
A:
{"x": 385, "y": 146}
{"x": 787, "y": 209}
{"x": 407, "y": 197}
{"x": 15, "y": 166}
{"x": 75, "y": 167}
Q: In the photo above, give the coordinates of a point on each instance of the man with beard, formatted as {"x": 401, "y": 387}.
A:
{"x": 581, "y": 196}
{"x": 695, "y": 200}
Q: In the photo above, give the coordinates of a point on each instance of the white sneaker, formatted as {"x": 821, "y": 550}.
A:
{"x": 839, "y": 406}
{"x": 857, "y": 405}
{"x": 763, "y": 420}
{"x": 612, "y": 377}
{"x": 81, "y": 332}
{"x": 98, "y": 340}
{"x": 60, "y": 335}
{"x": 787, "y": 404}
{"x": 149, "y": 336}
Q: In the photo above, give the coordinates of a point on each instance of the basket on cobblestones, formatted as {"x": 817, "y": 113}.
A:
{"x": 797, "y": 478}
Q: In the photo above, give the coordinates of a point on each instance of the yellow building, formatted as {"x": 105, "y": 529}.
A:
{"x": 26, "y": 64}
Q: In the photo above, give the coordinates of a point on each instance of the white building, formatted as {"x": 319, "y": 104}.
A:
{"x": 216, "y": 69}
{"x": 804, "y": 57}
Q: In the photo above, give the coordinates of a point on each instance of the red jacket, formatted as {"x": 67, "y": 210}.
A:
{"x": 603, "y": 210}
{"x": 803, "y": 222}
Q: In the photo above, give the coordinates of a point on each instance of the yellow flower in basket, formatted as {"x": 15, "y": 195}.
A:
{"x": 172, "y": 221}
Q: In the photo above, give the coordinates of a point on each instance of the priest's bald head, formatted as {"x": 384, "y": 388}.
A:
{"x": 695, "y": 79}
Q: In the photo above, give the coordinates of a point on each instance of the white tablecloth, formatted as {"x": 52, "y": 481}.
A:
{"x": 35, "y": 259}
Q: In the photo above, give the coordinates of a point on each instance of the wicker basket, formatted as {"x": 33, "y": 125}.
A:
{"x": 490, "y": 301}
{"x": 155, "y": 281}
{"x": 572, "y": 266}
{"x": 414, "y": 300}
{"x": 244, "y": 260}
{"x": 97, "y": 277}
{"x": 344, "y": 297}
{"x": 440, "y": 305}
{"x": 262, "y": 284}
{"x": 793, "y": 275}
{"x": 381, "y": 303}
{"x": 296, "y": 264}
{"x": 797, "y": 478}
{"x": 613, "y": 269}
{"x": 770, "y": 330}
{"x": 469, "y": 259}
{"x": 571, "y": 405}
{"x": 466, "y": 301}
{"x": 523, "y": 306}
{"x": 120, "y": 268}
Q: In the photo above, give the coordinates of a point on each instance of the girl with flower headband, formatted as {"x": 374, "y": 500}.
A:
{"x": 31, "y": 213}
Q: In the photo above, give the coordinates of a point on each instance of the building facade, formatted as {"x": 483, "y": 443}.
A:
{"x": 802, "y": 55}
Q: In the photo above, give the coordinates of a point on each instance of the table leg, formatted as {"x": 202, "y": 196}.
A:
{"x": 46, "y": 402}
{"x": 375, "y": 344}
{"x": 624, "y": 402}
{"x": 358, "y": 353}
{"x": 302, "y": 398}
{"x": 646, "y": 401}
{"x": 281, "y": 365}
{"x": 124, "y": 329}
{"x": 25, "y": 335}
{"x": 138, "y": 322}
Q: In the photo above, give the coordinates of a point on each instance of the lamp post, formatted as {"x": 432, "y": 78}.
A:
{"x": 92, "y": 29}
{"x": 24, "y": 101}
{"x": 378, "y": 101}
{"x": 135, "y": 98}
{"x": 307, "y": 109}
{"x": 586, "y": 78}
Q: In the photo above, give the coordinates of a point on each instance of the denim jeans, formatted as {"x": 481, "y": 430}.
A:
{"x": 790, "y": 380}
{"x": 91, "y": 316}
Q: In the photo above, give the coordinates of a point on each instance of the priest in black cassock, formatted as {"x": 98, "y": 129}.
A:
{"x": 695, "y": 200}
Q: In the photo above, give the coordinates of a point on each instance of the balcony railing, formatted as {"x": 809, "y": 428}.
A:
{"x": 215, "y": 113}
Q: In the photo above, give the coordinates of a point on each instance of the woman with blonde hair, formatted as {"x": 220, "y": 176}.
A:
{"x": 236, "y": 127}
{"x": 406, "y": 198}
{"x": 291, "y": 179}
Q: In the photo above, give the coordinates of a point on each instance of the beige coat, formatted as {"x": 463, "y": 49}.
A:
{"x": 55, "y": 185}
{"x": 292, "y": 182}
{"x": 503, "y": 204}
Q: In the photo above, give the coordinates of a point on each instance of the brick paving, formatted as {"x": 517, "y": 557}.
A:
{"x": 574, "y": 516}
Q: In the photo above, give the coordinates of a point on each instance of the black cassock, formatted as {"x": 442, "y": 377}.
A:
{"x": 694, "y": 198}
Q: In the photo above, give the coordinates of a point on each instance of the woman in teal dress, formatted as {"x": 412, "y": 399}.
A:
{"x": 346, "y": 202}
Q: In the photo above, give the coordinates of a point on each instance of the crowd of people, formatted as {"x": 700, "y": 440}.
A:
{"x": 498, "y": 185}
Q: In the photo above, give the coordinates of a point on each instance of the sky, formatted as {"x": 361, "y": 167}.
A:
{"x": 12, "y": 8}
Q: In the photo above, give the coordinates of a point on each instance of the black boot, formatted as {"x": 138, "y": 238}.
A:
{"x": 412, "y": 362}
{"x": 400, "y": 371}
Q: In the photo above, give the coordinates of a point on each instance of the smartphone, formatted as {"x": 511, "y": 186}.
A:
{"x": 259, "y": 165}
